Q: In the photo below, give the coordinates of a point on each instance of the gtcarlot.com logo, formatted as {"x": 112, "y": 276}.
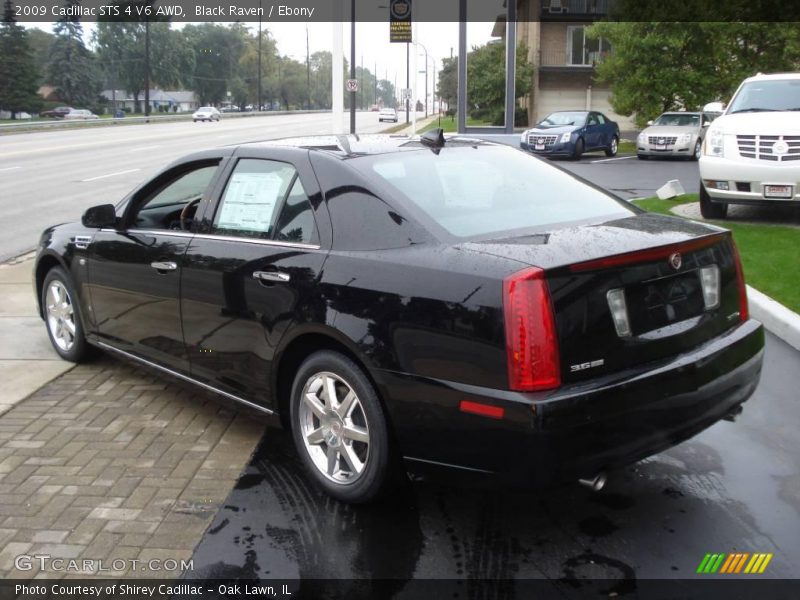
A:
{"x": 734, "y": 563}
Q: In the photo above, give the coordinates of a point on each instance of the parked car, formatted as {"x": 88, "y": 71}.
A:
{"x": 206, "y": 113}
{"x": 80, "y": 114}
{"x": 675, "y": 134}
{"x": 751, "y": 154}
{"x": 55, "y": 113}
{"x": 455, "y": 303}
{"x": 387, "y": 114}
{"x": 571, "y": 133}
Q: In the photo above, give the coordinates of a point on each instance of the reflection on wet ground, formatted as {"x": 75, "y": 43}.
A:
{"x": 733, "y": 488}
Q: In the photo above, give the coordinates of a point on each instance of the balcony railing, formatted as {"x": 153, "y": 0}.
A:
{"x": 575, "y": 8}
{"x": 558, "y": 57}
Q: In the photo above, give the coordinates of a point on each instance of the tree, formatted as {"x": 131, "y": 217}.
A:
{"x": 448, "y": 81}
{"x": 18, "y": 74}
{"x": 660, "y": 66}
{"x": 486, "y": 78}
{"x": 218, "y": 52}
{"x": 40, "y": 42}
{"x": 71, "y": 68}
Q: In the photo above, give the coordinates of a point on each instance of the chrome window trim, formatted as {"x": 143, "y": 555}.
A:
{"x": 185, "y": 377}
{"x": 219, "y": 238}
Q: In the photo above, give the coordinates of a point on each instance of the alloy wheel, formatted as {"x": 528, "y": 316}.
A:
{"x": 334, "y": 428}
{"x": 60, "y": 316}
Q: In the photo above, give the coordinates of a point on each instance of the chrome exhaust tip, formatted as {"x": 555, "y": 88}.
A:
{"x": 595, "y": 483}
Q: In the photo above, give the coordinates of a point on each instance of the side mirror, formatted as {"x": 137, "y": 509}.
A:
{"x": 650, "y": 122}
{"x": 706, "y": 123}
{"x": 103, "y": 215}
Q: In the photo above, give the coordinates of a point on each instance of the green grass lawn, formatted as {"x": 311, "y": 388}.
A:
{"x": 769, "y": 252}
{"x": 450, "y": 124}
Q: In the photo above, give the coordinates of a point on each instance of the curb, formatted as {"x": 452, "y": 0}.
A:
{"x": 776, "y": 318}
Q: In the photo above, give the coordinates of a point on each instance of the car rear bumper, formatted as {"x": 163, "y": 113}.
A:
{"x": 577, "y": 430}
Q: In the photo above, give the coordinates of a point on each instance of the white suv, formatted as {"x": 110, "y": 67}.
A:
{"x": 751, "y": 154}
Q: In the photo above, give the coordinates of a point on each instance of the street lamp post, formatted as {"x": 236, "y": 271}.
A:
{"x": 352, "y": 64}
{"x": 259, "y": 56}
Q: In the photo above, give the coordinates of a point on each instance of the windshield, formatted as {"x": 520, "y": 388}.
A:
{"x": 678, "y": 120}
{"x": 484, "y": 190}
{"x": 204, "y": 108}
{"x": 563, "y": 118}
{"x": 767, "y": 95}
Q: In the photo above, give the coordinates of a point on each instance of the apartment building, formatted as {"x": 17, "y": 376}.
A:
{"x": 554, "y": 32}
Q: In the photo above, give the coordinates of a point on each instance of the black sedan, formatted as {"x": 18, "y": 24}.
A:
{"x": 570, "y": 133}
{"x": 453, "y": 303}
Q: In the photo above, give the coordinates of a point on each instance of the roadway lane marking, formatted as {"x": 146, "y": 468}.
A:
{"x": 143, "y": 148}
{"x": 610, "y": 159}
{"x": 110, "y": 175}
{"x": 9, "y": 169}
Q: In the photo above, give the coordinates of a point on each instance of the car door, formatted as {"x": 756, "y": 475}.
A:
{"x": 134, "y": 269}
{"x": 252, "y": 269}
{"x": 594, "y": 132}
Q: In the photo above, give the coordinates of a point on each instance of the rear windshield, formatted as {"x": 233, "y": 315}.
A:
{"x": 478, "y": 191}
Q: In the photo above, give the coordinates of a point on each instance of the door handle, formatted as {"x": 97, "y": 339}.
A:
{"x": 164, "y": 266}
{"x": 271, "y": 276}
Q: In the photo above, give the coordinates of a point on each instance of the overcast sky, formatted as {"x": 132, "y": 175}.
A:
{"x": 372, "y": 44}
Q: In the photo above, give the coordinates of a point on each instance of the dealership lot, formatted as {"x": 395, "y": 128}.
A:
{"x": 735, "y": 486}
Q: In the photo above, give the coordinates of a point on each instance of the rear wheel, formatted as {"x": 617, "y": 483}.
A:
{"x": 339, "y": 428}
{"x": 578, "y": 151}
{"x": 709, "y": 209}
{"x": 63, "y": 316}
{"x": 612, "y": 147}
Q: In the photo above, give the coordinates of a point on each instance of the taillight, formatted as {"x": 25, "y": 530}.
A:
{"x": 744, "y": 311}
{"x": 531, "y": 342}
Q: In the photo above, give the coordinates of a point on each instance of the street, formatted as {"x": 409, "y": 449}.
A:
{"x": 52, "y": 177}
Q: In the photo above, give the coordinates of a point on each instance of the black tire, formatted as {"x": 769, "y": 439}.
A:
{"x": 80, "y": 349}
{"x": 696, "y": 152}
{"x": 578, "y": 151}
{"x": 642, "y": 157}
{"x": 613, "y": 147}
{"x": 377, "y": 470}
{"x": 709, "y": 209}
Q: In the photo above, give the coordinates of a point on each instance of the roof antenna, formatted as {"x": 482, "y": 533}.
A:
{"x": 433, "y": 138}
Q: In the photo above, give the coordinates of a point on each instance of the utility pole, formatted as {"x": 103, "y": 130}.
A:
{"x": 308, "y": 72}
{"x": 375, "y": 101}
{"x": 408, "y": 81}
{"x": 259, "y": 57}
{"x": 352, "y": 64}
{"x": 147, "y": 67}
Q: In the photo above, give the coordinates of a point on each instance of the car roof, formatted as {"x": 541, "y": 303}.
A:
{"x": 773, "y": 76}
{"x": 681, "y": 112}
{"x": 355, "y": 145}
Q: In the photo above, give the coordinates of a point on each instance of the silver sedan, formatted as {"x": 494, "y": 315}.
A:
{"x": 674, "y": 134}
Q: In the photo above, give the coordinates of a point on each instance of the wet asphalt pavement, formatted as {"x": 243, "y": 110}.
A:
{"x": 734, "y": 487}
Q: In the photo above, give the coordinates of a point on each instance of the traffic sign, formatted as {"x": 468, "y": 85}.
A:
{"x": 405, "y": 93}
{"x": 352, "y": 85}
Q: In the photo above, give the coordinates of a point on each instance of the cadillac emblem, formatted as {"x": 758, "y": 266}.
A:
{"x": 675, "y": 260}
{"x": 780, "y": 148}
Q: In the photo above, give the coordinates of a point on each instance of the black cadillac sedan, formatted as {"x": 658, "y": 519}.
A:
{"x": 452, "y": 303}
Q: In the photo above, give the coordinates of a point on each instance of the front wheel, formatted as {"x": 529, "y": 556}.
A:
{"x": 63, "y": 316}
{"x": 697, "y": 151}
{"x": 339, "y": 428}
{"x": 642, "y": 156}
{"x": 612, "y": 147}
{"x": 578, "y": 151}
{"x": 709, "y": 209}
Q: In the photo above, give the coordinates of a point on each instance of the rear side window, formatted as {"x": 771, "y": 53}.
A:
{"x": 475, "y": 191}
{"x": 264, "y": 199}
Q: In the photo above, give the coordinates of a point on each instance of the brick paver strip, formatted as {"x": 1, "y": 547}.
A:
{"x": 110, "y": 461}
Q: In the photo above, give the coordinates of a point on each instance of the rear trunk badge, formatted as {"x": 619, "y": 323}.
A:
{"x": 675, "y": 260}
